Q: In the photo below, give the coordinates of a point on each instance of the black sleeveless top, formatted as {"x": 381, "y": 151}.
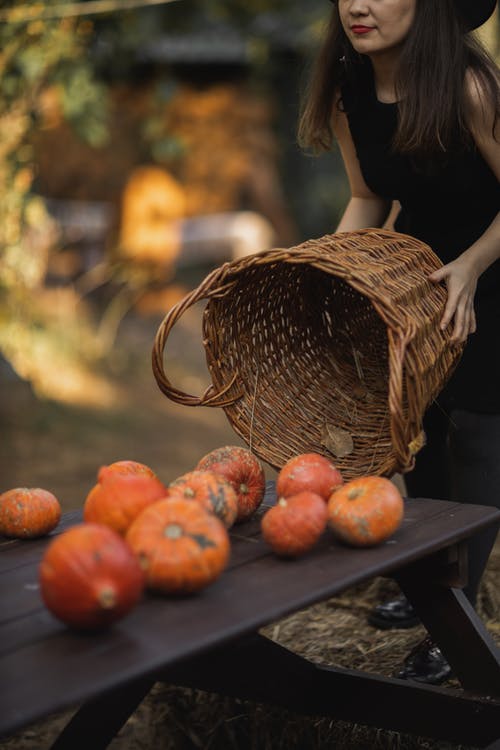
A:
{"x": 448, "y": 204}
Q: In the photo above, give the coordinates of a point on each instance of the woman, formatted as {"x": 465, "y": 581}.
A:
{"x": 413, "y": 102}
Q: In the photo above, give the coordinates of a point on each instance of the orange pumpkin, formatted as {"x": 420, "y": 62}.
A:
{"x": 243, "y": 471}
{"x": 89, "y": 577}
{"x": 365, "y": 511}
{"x": 212, "y": 491}
{"x": 28, "y": 513}
{"x": 308, "y": 471}
{"x": 118, "y": 498}
{"x": 181, "y": 547}
{"x": 294, "y": 525}
{"x": 125, "y": 467}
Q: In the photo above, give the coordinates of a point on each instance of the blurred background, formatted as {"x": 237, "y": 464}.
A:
{"x": 142, "y": 143}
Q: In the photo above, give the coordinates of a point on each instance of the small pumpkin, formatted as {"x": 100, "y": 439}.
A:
{"x": 212, "y": 491}
{"x": 126, "y": 467}
{"x": 308, "y": 471}
{"x": 294, "y": 525}
{"x": 181, "y": 546}
{"x": 366, "y": 511}
{"x": 243, "y": 471}
{"x": 89, "y": 577}
{"x": 119, "y": 498}
{"x": 27, "y": 513}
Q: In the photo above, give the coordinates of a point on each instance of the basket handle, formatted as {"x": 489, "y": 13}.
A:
{"x": 212, "y": 287}
{"x": 405, "y": 451}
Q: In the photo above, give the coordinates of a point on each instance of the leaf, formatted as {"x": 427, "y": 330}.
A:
{"x": 337, "y": 441}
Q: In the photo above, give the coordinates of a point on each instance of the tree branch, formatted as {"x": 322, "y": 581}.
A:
{"x": 24, "y": 13}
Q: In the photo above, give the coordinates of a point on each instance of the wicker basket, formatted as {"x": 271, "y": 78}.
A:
{"x": 332, "y": 346}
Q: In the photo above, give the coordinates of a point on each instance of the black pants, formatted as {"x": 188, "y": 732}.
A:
{"x": 461, "y": 462}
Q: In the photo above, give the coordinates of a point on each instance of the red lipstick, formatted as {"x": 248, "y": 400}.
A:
{"x": 361, "y": 29}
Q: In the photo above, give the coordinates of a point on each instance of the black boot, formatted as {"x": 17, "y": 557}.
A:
{"x": 425, "y": 663}
{"x": 397, "y": 613}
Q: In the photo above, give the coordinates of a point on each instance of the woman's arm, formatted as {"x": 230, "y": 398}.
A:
{"x": 365, "y": 209}
{"x": 462, "y": 274}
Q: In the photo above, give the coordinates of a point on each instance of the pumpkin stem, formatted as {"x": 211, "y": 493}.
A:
{"x": 282, "y": 501}
{"x": 107, "y": 597}
{"x": 354, "y": 493}
{"x": 244, "y": 489}
{"x": 173, "y": 531}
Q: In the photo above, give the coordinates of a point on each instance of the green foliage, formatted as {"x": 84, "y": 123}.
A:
{"x": 35, "y": 55}
{"x": 84, "y": 102}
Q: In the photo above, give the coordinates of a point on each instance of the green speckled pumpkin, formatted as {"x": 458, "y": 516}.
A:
{"x": 365, "y": 511}
{"x": 212, "y": 491}
{"x": 27, "y": 513}
{"x": 243, "y": 471}
{"x": 180, "y": 546}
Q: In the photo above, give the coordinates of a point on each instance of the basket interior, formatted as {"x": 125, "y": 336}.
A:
{"x": 311, "y": 355}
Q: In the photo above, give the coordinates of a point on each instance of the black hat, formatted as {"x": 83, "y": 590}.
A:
{"x": 474, "y": 12}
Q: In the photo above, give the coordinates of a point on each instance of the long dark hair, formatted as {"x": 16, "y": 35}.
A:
{"x": 430, "y": 83}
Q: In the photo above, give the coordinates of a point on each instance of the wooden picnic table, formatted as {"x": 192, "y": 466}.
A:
{"x": 211, "y": 640}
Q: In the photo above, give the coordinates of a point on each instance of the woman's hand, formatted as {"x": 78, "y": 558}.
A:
{"x": 461, "y": 278}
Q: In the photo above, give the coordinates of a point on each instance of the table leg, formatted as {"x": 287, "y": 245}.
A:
{"x": 453, "y": 623}
{"x": 258, "y": 669}
{"x": 98, "y": 721}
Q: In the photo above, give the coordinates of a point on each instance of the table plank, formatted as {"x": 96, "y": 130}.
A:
{"x": 48, "y": 668}
{"x": 19, "y": 589}
{"x": 15, "y": 553}
{"x": 18, "y": 552}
